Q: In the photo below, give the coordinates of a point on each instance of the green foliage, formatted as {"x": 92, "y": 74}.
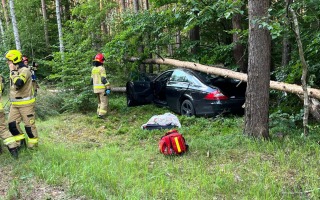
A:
{"x": 284, "y": 122}
{"x": 83, "y": 101}
{"x": 48, "y": 104}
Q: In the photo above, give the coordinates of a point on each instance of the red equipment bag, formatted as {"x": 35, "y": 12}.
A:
{"x": 173, "y": 143}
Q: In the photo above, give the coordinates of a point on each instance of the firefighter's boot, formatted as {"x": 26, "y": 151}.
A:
{"x": 14, "y": 152}
{"x": 23, "y": 144}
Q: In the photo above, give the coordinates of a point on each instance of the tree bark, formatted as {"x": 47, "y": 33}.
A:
{"x": 58, "y": 15}
{"x": 286, "y": 49}
{"x": 102, "y": 24}
{"x": 45, "y": 22}
{"x": 5, "y": 13}
{"x": 15, "y": 25}
{"x": 67, "y": 12}
{"x": 304, "y": 73}
{"x": 238, "y": 49}
{"x": 178, "y": 39}
{"x": 314, "y": 106}
{"x": 140, "y": 47}
{"x": 122, "y": 5}
{"x": 2, "y": 34}
{"x": 146, "y": 5}
{"x": 257, "y": 94}
{"x": 194, "y": 36}
{"x": 143, "y": 68}
{"x": 136, "y": 6}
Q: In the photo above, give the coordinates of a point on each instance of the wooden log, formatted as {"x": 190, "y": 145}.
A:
{"x": 118, "y": 89}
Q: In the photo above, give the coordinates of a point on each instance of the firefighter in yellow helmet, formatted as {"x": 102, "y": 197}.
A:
{"x": 101, "y": 85}
{"x": 6, "y": 136}
{"x": 22, "y": 100}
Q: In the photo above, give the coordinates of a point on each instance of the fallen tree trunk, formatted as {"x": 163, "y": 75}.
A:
{"x": 314, "y": 107}
{"x": 218, "y": 70}
{"x": 118, "y": 89}
{"x": 113, "y": 89}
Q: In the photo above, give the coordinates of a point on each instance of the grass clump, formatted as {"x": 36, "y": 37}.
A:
{"x": 48, "y": 104}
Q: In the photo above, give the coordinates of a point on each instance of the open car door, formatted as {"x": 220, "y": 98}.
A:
{"x": 138, "y": 93}
{"x": 159, "y": 88}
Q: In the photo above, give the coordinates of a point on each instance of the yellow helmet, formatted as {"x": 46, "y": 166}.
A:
{"x": 14, "y": 55}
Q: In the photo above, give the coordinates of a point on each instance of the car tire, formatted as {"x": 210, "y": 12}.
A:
{"x": 187, "y": 108}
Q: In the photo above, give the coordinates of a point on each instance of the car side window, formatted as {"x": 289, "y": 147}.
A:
{"x": 179, "y": 76}
{"x": 194, "y": 81}
{"x": 183, "y": 77}
{"x": 164, "y": 77}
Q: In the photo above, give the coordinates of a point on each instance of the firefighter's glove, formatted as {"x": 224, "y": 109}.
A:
{"x": 108, "y": 92}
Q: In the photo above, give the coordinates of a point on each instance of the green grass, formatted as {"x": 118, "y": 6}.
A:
{"x": 115, "y": 159}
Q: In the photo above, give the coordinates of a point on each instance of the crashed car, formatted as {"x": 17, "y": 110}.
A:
{"x": 188, "y": 92}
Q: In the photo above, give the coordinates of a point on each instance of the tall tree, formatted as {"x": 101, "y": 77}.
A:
{"x": 103, "y": 25}
{"x": 257, "y": 95}
{"x": 194, "y": 35}
{"x": 286, "y": 49}
{"x": 58, "y": 15}
{"x": 140, "y": 47}
{"x": 5, "y": 13}
{"x": 14, "y": 25}
{"x": 136, "y": 6}
{"x": 238, "y": 49}
{"x": 286, "y": 46}
{"x": 122, "y": 5}
{"x": 67, "y": 10}
{"x": 146, "y": 5}
{"x": 304, "y": 73}
{"x": 45, "y": 22}
{"x": 2, "y": 33}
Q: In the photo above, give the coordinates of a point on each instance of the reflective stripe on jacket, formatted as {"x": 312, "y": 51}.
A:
{"x": 23, "y": 101}
{"x": 9, "y": 140}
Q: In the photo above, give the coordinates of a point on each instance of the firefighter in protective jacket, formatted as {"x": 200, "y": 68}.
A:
{"x": 6, "y": 136}
{"x": 101, "y": 86}
{"x": 33, "y": 68}
{"x": 22, "y": 100}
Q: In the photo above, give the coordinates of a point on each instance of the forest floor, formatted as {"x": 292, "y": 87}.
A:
{"x": 29, "y": 189}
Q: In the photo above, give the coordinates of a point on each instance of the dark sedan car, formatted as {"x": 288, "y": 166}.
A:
{"x": 188, "y": 92}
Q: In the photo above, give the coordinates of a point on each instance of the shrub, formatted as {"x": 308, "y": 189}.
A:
{"x": 48, "y": 103}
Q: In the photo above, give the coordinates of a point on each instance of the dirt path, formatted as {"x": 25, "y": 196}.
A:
{"x": 15, "y": 188}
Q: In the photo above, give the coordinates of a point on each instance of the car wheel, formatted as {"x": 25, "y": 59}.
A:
{"x": 187, "y": 108}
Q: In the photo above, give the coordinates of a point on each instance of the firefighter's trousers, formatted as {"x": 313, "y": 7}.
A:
{"x": 5, "y": 135}
{"x": 27, "y": 114}
{"x": 102, "y": 104}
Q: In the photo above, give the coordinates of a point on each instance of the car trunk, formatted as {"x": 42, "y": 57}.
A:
{"x": 230, "y": 87}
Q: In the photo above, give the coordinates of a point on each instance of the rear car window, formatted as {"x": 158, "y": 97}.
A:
{"x": 179, "y": 76}
{"x": 206, "y": 78}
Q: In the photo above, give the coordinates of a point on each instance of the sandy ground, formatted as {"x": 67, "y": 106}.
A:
{"x": 27, "y": 188}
